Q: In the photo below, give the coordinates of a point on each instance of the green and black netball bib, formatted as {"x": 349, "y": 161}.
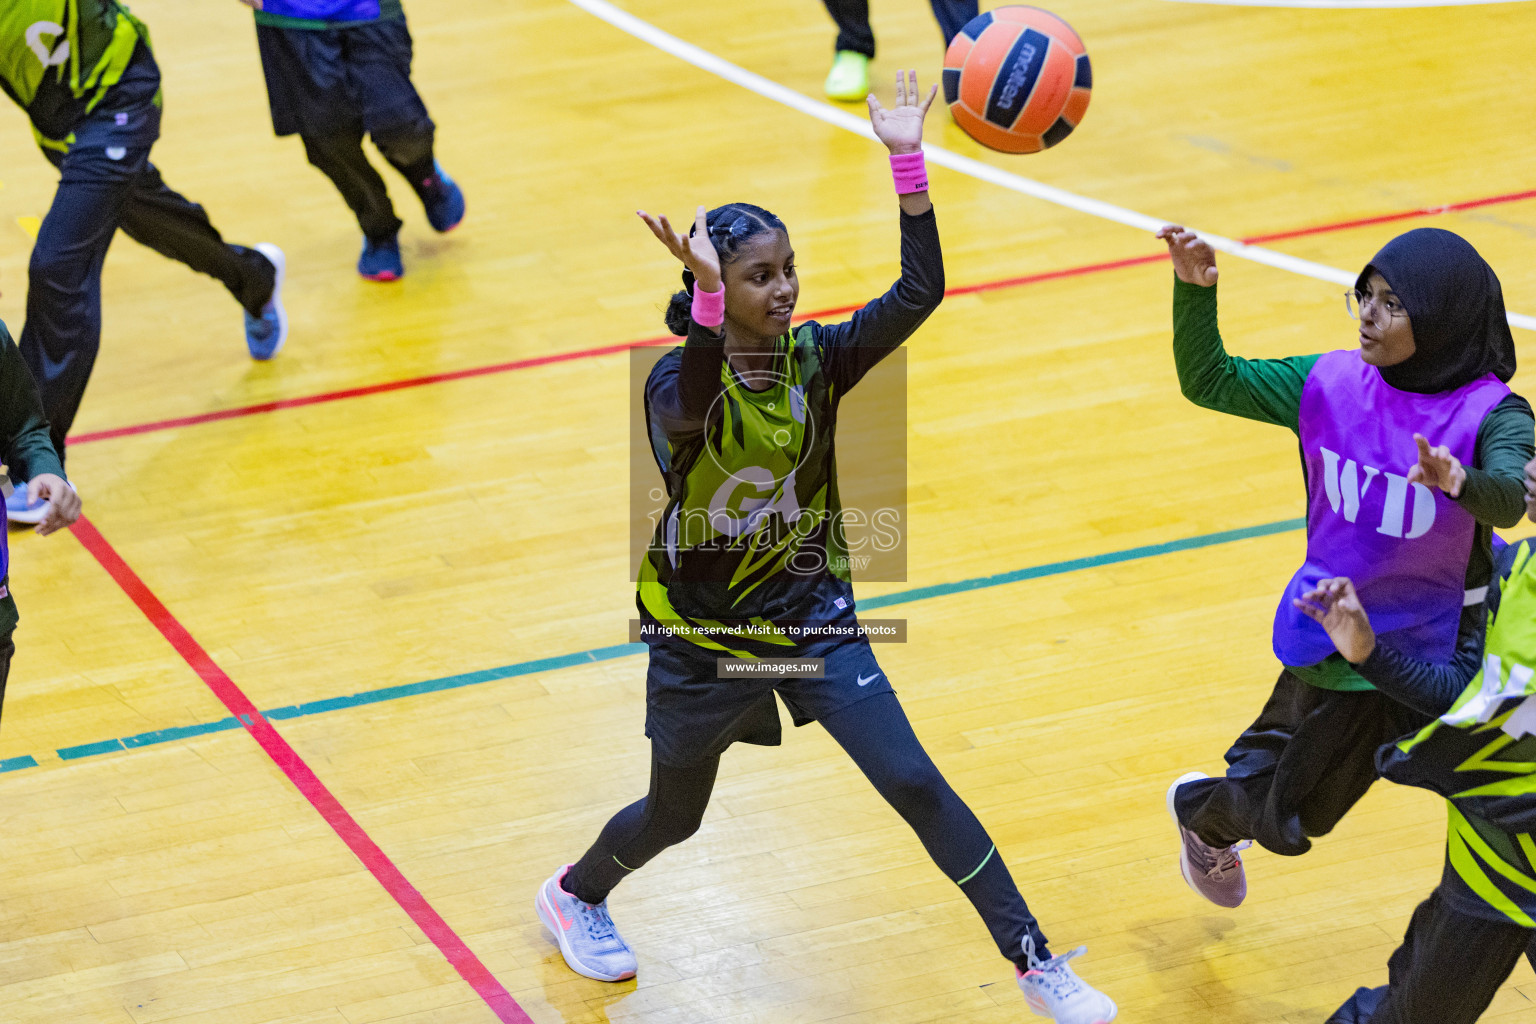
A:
{"x": 751, "y": 529}
{"x": 59, "y": 57}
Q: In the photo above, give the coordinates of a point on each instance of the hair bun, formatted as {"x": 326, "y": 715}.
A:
{"x": 679, "y": 313}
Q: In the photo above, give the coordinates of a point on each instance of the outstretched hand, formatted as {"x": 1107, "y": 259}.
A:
{"x": 63, "y": 506}
{"x": 901, "y": 127}
{"x": 695, "y": 249}
{"x": 1194, "y": 261}
{"x": 1334, "y": 604}
{"x": 1530, "y": 490}
{"x": 1437, "y": 467}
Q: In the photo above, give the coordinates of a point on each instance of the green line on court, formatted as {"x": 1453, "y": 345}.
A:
{"x": 596, "y": 654}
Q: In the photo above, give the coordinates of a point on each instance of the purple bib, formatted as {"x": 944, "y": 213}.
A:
{"x": 1404, "y": 545}
{"x": 323, "y": 10}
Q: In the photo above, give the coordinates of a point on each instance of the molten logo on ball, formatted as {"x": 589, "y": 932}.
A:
{"x": 1019, "y": 76}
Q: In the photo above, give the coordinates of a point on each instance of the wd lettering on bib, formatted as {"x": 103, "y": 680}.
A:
{"x": 1348, "y": 486}
{"x": 1403, "y": 544}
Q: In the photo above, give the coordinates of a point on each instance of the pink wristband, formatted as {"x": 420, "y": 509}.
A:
{"x": 910, "y": 172}
{"x": 708, "y": 307}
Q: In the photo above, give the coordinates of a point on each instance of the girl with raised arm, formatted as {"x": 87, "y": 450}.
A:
{"x": 742, "y": 419}
{"x": 1412, "y": 449}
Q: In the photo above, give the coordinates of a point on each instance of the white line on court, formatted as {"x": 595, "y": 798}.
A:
{"x": 700, "y": 58}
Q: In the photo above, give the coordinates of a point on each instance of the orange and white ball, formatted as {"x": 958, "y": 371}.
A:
{"x": 1017, "y": 79}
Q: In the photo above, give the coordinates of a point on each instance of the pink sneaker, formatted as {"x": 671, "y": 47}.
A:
{"x": 1214, "y": 872}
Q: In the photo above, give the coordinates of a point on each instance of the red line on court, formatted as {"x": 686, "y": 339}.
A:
{"x": 304, "y": 779}
{"x": 1387, "y": 218}
{"x": 606, "y": 350}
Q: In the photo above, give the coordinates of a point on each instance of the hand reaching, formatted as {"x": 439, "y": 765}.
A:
{"x": 1334, "y": 604}
{"x": 1530, "y": 490}
{"x": 901, "y": 127}
{"x": 695, "y": 250}
{"x": 1193, "y": 259}
{"x": 63, "y": 506}
{"x": 1437, "y": 467}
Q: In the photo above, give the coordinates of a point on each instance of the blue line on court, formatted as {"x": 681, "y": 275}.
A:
{"x": 1074, "y": 564}
{"x": 596, "y": 654}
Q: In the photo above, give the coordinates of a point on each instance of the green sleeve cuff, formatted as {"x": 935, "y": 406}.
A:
{"x": 1332, "y": 673}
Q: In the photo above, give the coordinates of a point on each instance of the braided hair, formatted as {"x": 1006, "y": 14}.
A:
{"x": 730, "y": 227}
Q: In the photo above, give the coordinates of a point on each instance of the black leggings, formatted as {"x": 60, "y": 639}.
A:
{"x": 340, "y": 156}
{"x": 334, "y": 86}
{"x": 876, "y": 734}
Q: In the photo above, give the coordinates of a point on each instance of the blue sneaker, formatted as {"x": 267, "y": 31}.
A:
{"x": 443, "y": 200}
{"x": 19, "y": 510}
{"x": 588, "y": 940}
{"x": 380, "y": 261}
{"x": 265, "y": 334}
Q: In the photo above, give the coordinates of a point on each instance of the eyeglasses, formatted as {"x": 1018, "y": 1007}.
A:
{"x": 1364, "y": 306}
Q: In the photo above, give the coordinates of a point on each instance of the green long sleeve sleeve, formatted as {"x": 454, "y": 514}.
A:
{"x": 24, "y": 441}
{"x": 1495, "y": 488}
{"x": 1267, "y": 390}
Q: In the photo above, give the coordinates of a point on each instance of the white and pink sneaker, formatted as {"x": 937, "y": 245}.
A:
{"x": 588, "y": 940}
{"x": 1052, "y": 989}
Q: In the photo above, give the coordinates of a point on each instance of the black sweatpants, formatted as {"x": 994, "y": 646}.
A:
{"x": 332, "y": 86}
{"x": 876, "y": 734}
{"x": 1446, "y": 971}
{"x": 107, "y": 182}
{"x": 854, "y": 33}
{"x": 1298, "y": 769}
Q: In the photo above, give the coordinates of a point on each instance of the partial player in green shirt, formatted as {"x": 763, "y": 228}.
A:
{"x": 337, "y": 70}
{"x": 28, "y": 455}
{"x": 1413, "y": 451}
{"x": 84, "y": 73}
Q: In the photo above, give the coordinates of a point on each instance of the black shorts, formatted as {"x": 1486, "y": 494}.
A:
{"x": 323, "y": 82}
{"x": 691, "y": 714}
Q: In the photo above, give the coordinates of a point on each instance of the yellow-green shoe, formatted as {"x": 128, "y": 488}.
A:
{"x": 849, "y": 78}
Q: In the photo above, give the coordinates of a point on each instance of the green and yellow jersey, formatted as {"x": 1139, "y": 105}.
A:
{"x": 1481, "y": 756}
{"x": 58, "y": 58}
{"x": 751, "y": 535}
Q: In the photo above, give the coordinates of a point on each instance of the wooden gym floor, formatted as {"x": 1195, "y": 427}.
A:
{"x": 454, "y": 551}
